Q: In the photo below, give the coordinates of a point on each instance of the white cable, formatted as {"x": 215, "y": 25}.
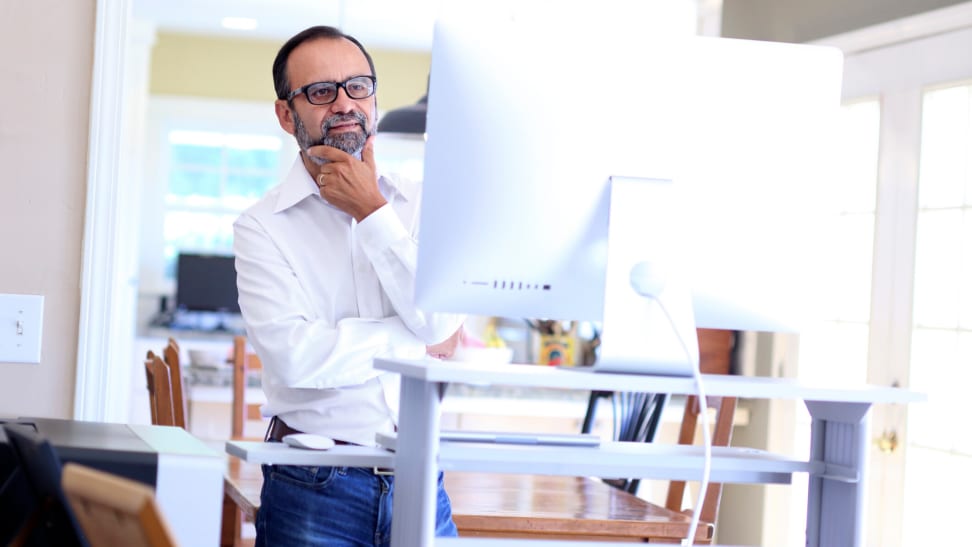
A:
{"x": 706, "y": 434}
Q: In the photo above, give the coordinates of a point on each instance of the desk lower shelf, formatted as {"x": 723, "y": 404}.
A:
{"x": 339, "y": 456}
{"x": 624, "y": 460}
{"x": 612, "y": 459}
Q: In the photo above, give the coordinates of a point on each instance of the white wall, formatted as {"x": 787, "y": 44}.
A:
{"x": 47, "y": 63}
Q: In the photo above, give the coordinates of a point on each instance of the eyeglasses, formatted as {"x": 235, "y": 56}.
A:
{"x": 358, "y": 87}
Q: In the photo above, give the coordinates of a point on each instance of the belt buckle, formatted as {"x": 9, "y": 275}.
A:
{"x": 381, "y": 471}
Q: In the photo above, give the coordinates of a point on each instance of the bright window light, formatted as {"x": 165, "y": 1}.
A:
{"x": 239, "y": 23}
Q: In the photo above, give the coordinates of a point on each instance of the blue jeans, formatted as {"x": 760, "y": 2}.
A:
{"x": 333, "y": 507}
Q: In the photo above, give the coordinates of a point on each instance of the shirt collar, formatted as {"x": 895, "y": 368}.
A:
{"x": 298, "y": 186}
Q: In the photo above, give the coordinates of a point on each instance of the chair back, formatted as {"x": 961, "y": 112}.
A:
{"x": 637, "y": 417}
{"x": 725, "y": 408}
{"x": 716, "y": 354}
{"x": 170, "y": 354}
{"x": 244, "y": 361}
{"x": 113, "y": 510}
{"x": 158, "y": 379}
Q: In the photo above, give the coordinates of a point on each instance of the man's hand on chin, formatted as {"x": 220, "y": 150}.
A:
{"x": 348, "y": 183}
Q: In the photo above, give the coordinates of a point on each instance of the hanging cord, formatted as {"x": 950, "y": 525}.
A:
{"x": 706, "y": 434}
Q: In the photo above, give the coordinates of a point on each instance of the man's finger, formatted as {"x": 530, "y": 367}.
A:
{"x": 368, "y": 152}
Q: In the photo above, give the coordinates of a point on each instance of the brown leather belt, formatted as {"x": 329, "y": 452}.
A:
{"x": 278, "y": 430}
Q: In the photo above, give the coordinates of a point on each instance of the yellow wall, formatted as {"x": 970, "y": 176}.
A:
{"x": 46, "y": 64}
{"x": 231, "y": 68}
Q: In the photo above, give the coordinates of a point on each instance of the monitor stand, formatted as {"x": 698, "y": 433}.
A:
{"x": 649, "y": 324}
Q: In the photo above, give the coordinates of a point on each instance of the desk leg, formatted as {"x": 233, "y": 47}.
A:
{"x": 839, "y": 441}
{"x": 416, "y": 465}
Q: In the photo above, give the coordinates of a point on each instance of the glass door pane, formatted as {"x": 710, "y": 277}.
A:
{"x": 938, "y": 452}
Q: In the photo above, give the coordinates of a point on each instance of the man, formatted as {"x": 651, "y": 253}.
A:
{"x": 325, "y": 268}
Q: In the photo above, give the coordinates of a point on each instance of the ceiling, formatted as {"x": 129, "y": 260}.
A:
{"x": 387, "y": 24}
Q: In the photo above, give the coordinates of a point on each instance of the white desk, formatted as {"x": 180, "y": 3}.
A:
{"x": 839, "y": 441}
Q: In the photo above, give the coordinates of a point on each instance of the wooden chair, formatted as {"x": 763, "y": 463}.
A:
{"x": 158, "y": 380}
{"x": 241, "y": 500}
{"x": 244, "y": 361}
{"x": 162, "y": 395}
{"x": 721, "y": 436}
{"x": 238, "y": 509}
{"x": 114, "y": 510}
{"x": 170, "y": 354}
{"x": 716, "y": 356}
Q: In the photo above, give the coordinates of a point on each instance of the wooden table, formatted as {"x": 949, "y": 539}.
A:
{"x": 500, "y": 505}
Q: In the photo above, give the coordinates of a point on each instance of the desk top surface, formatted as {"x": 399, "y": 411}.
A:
{"x": 71, "y": 436}
{"x": 432, "y": 370}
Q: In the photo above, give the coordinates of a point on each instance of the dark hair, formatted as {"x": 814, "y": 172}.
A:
{"x": 280, "y": 81}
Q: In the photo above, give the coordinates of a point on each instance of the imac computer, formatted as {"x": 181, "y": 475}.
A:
{"x": 649, "y": 183}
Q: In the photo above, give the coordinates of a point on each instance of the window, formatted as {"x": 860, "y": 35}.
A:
{"x": 206, "y": 161}
{"x": 941, "y": 349}
{"x": 213, "y": 176}
{"x": 919, "y": 326}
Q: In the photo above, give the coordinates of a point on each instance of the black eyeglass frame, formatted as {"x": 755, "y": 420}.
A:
{"x": 337, "y": 85}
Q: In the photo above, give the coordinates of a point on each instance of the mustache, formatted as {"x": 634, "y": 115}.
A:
{"x": 338, "y": 119}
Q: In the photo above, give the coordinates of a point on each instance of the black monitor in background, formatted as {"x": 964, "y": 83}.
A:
{"x": 206, "y": 282}
{"x": 41, "y": 466}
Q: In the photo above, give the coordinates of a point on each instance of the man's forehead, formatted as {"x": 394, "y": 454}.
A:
{"x": 328, "y": 58}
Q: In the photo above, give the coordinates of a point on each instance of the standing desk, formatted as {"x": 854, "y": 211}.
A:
{"x": 837, "y": 463}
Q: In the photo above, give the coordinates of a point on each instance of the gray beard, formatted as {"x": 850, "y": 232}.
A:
{"x": 349, "y": 142}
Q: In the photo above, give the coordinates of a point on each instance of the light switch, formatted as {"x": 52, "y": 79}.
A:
{"x": 21, "y": 323}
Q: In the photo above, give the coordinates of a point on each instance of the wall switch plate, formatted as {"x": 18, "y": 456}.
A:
{"x": 21, "y": 323}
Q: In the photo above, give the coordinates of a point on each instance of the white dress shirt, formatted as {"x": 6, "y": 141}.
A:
{"x": 322, "y": 295}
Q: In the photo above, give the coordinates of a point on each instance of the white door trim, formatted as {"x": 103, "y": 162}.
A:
{"x": 94, "y": 386}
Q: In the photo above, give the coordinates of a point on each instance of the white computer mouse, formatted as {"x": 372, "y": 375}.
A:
{"x": 308, "y": 441}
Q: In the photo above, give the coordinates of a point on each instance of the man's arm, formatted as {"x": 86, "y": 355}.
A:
{"x": 300, "y": 348}
{"x": 351, "y": 184}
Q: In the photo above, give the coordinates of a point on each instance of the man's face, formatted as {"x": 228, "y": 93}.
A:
{"x": 344, "y": 124}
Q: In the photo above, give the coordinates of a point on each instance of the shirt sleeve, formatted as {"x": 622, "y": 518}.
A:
{"x": 393, "y": 253}
{"x": 300, "y": 349}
